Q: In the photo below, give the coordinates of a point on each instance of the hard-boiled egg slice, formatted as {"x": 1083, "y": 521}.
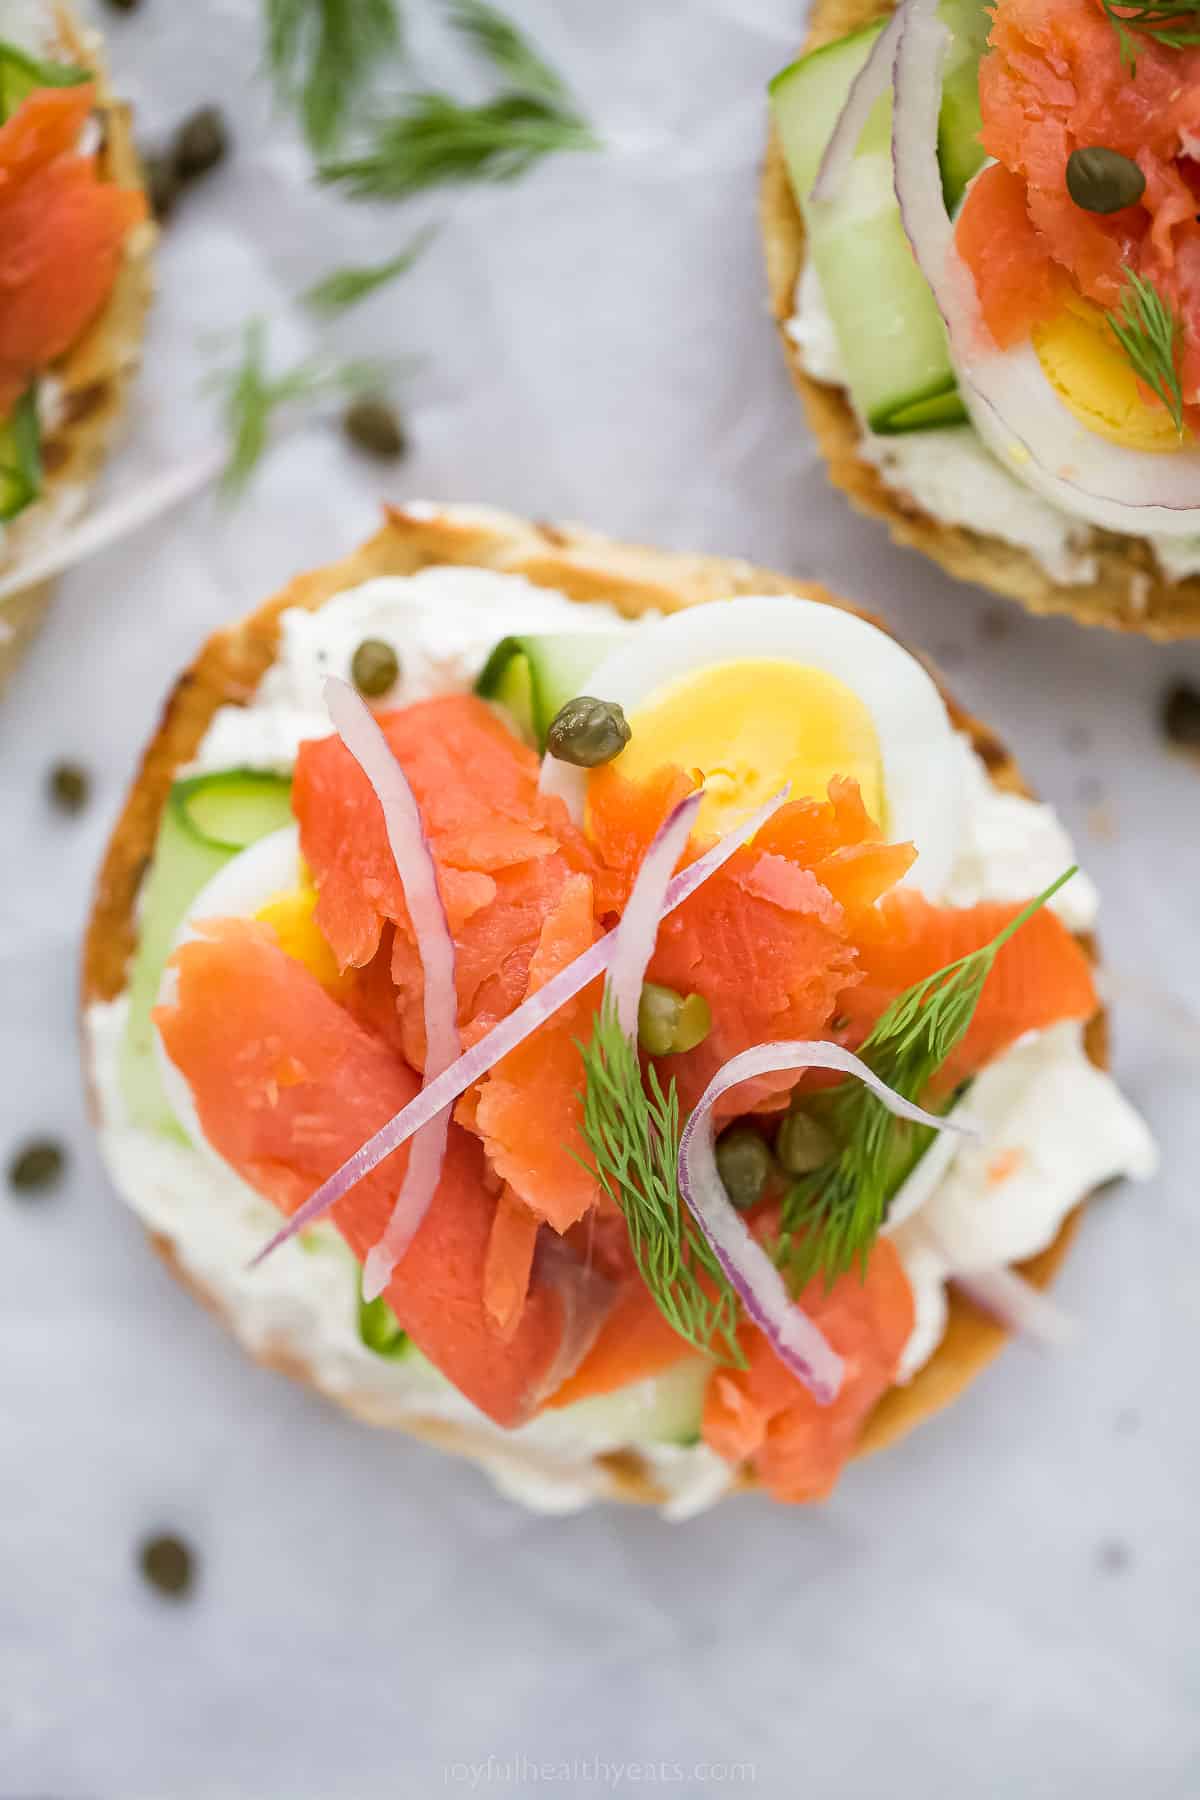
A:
{"x": 759, "y": 691}
{"x": 1094, "y": 379}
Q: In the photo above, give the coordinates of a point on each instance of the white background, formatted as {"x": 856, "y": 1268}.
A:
{"x": 370, "y": 1618}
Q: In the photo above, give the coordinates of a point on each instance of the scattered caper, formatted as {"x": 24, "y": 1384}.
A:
{"x": 371, "y": 425}
{"x": 588, "y": 732}
{"x": 1102, "y": 180}
{"x": 69, "y": 786}
{"x": 200, "y": 143}
{"x": 379, "y": 1328}
{"x": 670, "y": 1023}
{"x": 1181, "y": 715}
{"x": 168, "y": 1565}
{"x": 161, "y": 181}
{"x": 37, "y": 1166}
{"x": 803, "y": 1143}
{"x": 743, "y": 1163}
{"x": 375, "y": 668}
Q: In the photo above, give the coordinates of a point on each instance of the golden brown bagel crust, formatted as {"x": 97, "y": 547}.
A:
{"x": 585, "y": 567}
{"x": 1129, "y": 593}
{"x": 95, "y": 374}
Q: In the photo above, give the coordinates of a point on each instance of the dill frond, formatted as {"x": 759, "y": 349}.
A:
{"x": 831, "y": 1218}
{"x": 632, "y": 1130}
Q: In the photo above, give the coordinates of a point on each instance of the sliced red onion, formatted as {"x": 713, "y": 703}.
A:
{"x": 872, "y": 80}
{"x": 446, "y": 1088}
{"x": 1012, "y": 404}
{"x": 1017, "y": 1305}
{"x": 635, "y": 935}
{"x": 796, "y": 1341}
{"x": 115, "y": 520}
{"x": 360, "y": 733}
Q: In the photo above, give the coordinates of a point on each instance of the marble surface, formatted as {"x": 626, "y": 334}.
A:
{"x": 1008, "y": 1604}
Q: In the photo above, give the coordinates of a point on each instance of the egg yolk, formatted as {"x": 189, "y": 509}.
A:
{"x": 1092, "y": 377}
{"x": 291, "y": 916}
{"x": 747, "y": 727}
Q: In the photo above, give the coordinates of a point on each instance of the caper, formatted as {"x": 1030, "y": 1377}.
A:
{"x": 1103, "y": 181}
{"x": 669, "y": 1023}
{"x": 1181, "y": 715}
{"x": 588, "y": 732}
{"x": 161, "y": 183}
{"x": 167, "y": 1564}
{"x": 380, "y": 1329}
{"x": 69, "y": 786}
{"x": 37, "y": 1167}
{"x": 803, "y": 1143}
{"x": 200, "y": 143}
{"x": 124, "y": 5}
{"x": 371, "y": 425}
{"x": 743, "y": 1163}
{"x": 375, "y": 668}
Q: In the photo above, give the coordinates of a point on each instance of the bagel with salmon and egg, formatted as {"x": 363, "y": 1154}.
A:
{"x": 74, "y": 291}
{"x": 1046, "y": 445}
{"x": 640, "y": 1247}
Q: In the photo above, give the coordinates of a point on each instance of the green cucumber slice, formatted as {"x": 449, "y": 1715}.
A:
{"x": 22, "y": 75}
{"x": 533, "y": 676}
{"x": 890, "y": 334}
{"x": 959, "y": 150}
{"x": 206, "y": 821}
{"x": 20, "y": 457}
{"x": 665, "y": 1410}
{"x": 943, "y": 407}
{"x": 232, "y": 810}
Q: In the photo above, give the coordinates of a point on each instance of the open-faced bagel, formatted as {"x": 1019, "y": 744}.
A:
{"x": 1129, "y": 592}
{"x": 93, "y": 377}
{"x": 585, "y": 567}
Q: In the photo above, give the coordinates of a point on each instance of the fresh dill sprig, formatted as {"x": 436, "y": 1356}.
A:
{"x": 436, "y": 140}
{"x": 321, "y": 55}
{"x": 831, "y": 1218}
{"x": 338, "y": 292}
{"x": 508, "y": 50}
{"x": 251, "y": 396}
{"x": 1148, "y": 331}
{"x": 1157, "y": 19}
{"x": 632, "y": 1130}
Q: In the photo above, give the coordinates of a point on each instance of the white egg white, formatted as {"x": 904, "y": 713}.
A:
{"x": 921, "y": 770}
{"x": 1025, "y": 424}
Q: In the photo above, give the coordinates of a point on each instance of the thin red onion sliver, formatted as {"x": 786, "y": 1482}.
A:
{"x": 359, "y": 731}
{"x": 796, "y": 1341}
{"x": 119, "y": 518}
{"x": 872, "y": 80}
{"x": 639, "y": 924}
{"x": 1016, "y": 410}
{"x": 1017, "y": 1304}
{"x": 446, "y": 1088}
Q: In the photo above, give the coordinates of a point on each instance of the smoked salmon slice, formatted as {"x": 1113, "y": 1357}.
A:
{"x": 61, "y": 234}
{"x": 1054, "y": 80}
{"x": 1041, "y": 976}
{"x": 528, "y": 1109}
{"x": 287, "y": 1085}
{"x": 504, "y": 854}
{"x": 762, "y": 1415}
